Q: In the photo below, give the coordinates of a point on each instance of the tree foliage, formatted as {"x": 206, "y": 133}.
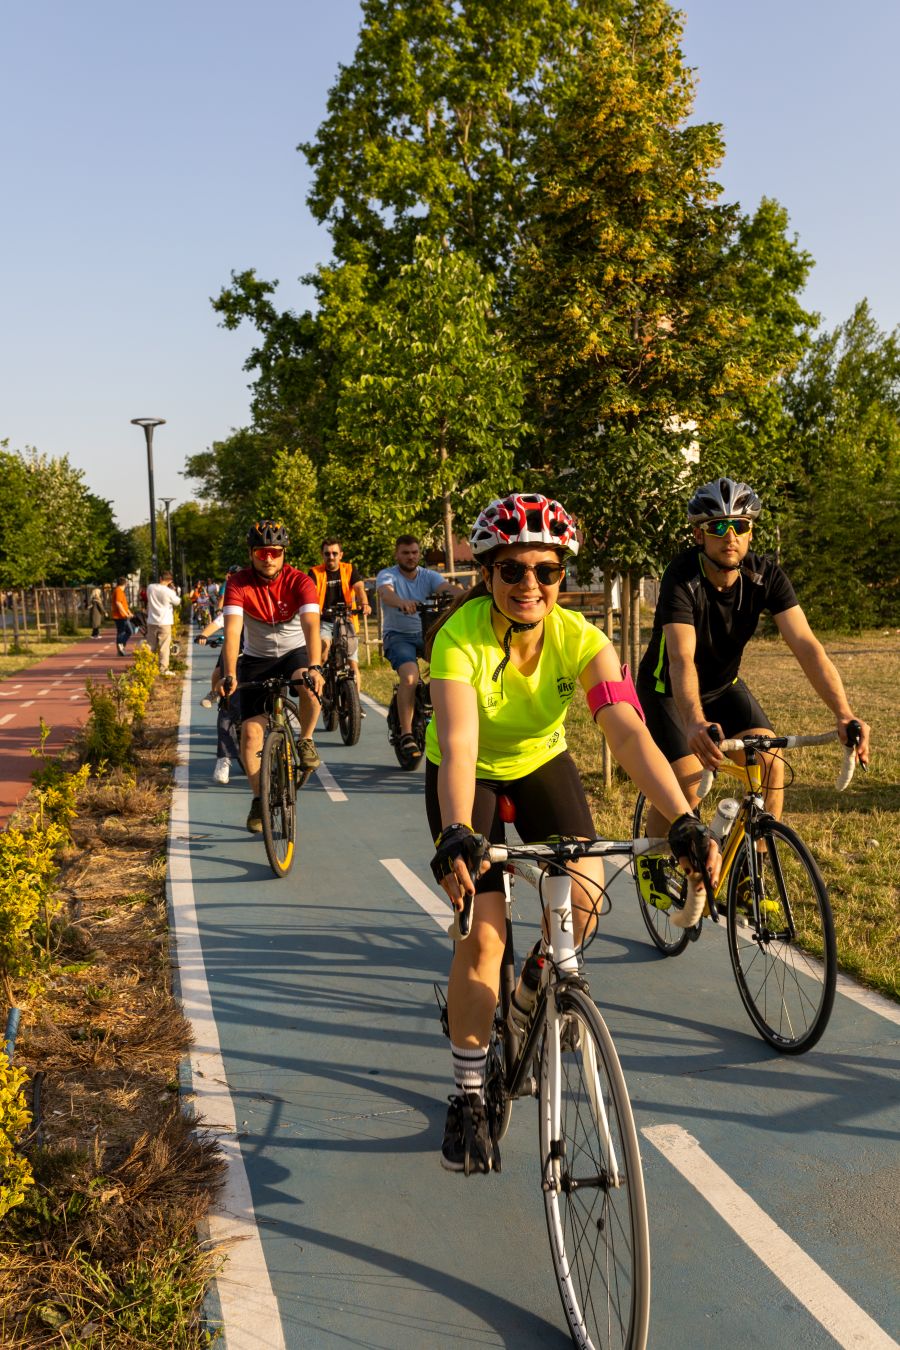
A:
{"x": 52, "y": 529}
{"x": 638, "y": 292}
{"x": 430, "y": 406}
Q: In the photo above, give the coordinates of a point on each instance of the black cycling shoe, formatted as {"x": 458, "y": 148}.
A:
{"x": 254, "y": 819}
{"x": 467, "y": 1145}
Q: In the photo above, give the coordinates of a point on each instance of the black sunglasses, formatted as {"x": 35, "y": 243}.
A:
{"x": 548, "y": 574}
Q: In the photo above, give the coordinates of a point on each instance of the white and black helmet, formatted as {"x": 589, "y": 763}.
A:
{"x": 723, "y": 497}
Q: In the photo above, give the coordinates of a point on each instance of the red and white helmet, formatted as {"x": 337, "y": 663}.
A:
{"x": 523, "y": 518}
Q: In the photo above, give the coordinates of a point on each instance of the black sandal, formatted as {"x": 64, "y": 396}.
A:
{"x": 409, "y": 745}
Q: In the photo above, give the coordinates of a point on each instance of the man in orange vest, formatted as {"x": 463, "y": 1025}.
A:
{"x": 337, "y": 580}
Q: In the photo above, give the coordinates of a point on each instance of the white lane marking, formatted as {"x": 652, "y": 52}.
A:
{"x": 42, "y": 692}
{"x": 8, "y": 718}
{"x": 376, "y": 707}
{"x": 250, "y": 1316}
{"x": 329, "y": 783}
{"x": 73, "y": 698}
{"x": 826, "y": 1301}
{"x": 424, "y": 896}
{"x": 27, "y": 703}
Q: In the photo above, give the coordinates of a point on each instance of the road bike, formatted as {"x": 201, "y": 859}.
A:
{"x": 280, "y": 771}
{"x": 590, "y": 1165}
{"x": 340, "y": 696}
{"x": 779, "y": 924}
{"x": 422, "y": 709}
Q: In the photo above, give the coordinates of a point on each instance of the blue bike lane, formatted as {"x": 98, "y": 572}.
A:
{"x": 772, "y": 1182}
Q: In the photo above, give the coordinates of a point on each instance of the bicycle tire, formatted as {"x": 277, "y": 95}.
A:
{"x": 329, "y": 702}
{"x": 593, "y": 1186}
{"x": 349, "y": 711}
{"x": 786, "y": 983}
{"x": 278, "y": 801}
{"x": 671, "y": 941}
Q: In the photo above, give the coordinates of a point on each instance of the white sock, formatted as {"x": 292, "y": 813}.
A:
{"x": 468, "y": 1068}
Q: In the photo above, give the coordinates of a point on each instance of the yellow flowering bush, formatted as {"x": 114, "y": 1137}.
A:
{"x": 27, "y": 871}
{"x": 15, "y": 1118}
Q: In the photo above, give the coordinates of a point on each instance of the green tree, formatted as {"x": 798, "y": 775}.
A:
{"x": 631, "y": 291}
{"x": 839, "y": 510}
{"x": 21, "y": 547}
{"x": 430, "y": 407}
{"x": 431, "y": 125}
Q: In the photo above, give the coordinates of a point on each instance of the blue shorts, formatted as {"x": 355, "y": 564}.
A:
{"x": 401, "y": 648}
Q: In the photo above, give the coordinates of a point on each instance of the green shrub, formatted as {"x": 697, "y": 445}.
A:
{"x": 107, "y": 738}
{"x": 27, "y": 871}
{"x": 15, "y": 1118}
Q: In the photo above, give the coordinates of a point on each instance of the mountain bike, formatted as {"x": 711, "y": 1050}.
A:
{"x": 422, "y": 709}
{"x": 280, "y": 773}
{"x": 590, "y": 1165}
{"x": 340, "y": 696}
{"x": 779, "y": 924}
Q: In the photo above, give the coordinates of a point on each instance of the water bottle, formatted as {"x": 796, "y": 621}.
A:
{"x": 721, "y": 823}
{"x": 525, "y": 992}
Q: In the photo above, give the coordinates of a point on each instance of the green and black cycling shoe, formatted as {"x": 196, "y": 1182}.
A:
{"x": 254, "y": 819}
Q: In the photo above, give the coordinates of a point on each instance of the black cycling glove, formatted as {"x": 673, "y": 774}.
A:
{"x": 689, "y": 838}
{"x": 457, "y": 841}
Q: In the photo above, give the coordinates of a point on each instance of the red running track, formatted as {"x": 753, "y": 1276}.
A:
{"x": 54, "y": 690}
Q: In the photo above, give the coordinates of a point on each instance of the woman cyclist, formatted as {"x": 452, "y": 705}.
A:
{"x": 505, "y": 663}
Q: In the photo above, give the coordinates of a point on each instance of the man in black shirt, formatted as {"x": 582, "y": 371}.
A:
{"x": 710, "y": 601}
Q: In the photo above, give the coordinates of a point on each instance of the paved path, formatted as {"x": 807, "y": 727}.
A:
{"x": 320, "y": 1060}
{"x": 54, "y": 690}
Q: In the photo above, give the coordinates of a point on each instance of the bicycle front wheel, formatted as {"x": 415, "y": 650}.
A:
{"x": 781, "y": 942}
{"x": 657, "y": 881}
{"x": 592, "y": 1181}
{"x": 278, "y": 801}
{"x": 349, "y": 711}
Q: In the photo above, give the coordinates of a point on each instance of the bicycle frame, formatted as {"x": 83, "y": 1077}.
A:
{"x": 560, "y": 967}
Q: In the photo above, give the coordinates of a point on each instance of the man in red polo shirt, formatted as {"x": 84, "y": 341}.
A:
{"x": 277, "y": 607}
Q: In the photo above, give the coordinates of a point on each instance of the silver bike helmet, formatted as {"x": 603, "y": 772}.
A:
{"x": 723, "y": 497}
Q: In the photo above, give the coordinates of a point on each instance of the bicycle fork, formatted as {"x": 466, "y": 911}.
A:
{"x": 563, "y": 962}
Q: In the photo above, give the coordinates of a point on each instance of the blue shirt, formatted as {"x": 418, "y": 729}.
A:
{"x": 420, "y": 587}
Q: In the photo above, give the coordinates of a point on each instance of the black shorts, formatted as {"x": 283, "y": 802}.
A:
{"x": 548, "y": 801}
{"x": 735, "y": 709}
{"x": 253, "y": 701}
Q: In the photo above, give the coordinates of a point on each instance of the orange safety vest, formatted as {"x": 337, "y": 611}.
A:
{"x": 320, "y": 573}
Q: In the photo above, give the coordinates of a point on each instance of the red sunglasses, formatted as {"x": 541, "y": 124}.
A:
{"x": 265, "y": 554}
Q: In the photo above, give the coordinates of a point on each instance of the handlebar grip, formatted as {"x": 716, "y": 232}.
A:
{"x": 461, "y": 926}
{"x": 845, "y": 773}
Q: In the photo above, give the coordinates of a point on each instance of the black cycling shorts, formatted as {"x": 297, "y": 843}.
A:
{"x": 253, "y": 701}
{"x": 548, "y": 801}
{"x": 735, "y": 709}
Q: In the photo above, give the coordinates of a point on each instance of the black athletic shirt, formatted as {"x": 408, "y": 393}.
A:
{"x": 725, "y": 621}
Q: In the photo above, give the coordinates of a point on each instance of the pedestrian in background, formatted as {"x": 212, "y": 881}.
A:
{"x": 162, "y": 602}
{"x": 97, "y": 612}
{"x": 121, "y": 612}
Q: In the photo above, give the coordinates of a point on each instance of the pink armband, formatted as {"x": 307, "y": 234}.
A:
{"x": 615, "y": 691}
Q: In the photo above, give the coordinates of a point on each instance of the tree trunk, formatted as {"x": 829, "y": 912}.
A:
{"x": 447, "y": 514}
{"x": 609, "y": 624}
{"x": 635, "y": 622}
{"x": 624, "y": 617}
{"x": 3, "y": 621}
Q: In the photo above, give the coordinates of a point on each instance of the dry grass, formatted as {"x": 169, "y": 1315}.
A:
{"x": 854, "y": 836}
{"x": 105, "y": 1252}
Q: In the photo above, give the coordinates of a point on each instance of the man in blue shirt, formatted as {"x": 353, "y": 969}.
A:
{"x": 400, "y": 589}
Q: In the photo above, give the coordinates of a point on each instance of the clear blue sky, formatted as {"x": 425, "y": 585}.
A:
{"x": 146, "y": 151}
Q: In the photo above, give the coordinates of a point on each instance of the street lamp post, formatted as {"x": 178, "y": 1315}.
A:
{"x": 148, "y": 423}
{"x": 167, "y": 502}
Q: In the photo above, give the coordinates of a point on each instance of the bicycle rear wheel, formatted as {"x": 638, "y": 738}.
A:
{"x": 593, "y": 1185}
{"x": 670, "y": 882}
{"x": 784, "y": 960}
{"x": 329, "y": 702}
{"x": 349, "y": 712}
{"x": 277, "y": 800}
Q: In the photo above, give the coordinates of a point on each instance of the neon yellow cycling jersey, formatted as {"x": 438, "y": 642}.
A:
{"x": 520, "y": 717}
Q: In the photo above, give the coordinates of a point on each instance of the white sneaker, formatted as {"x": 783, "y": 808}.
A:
{"x": 206, "y": 702}
{"x": 222, "y": 771}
